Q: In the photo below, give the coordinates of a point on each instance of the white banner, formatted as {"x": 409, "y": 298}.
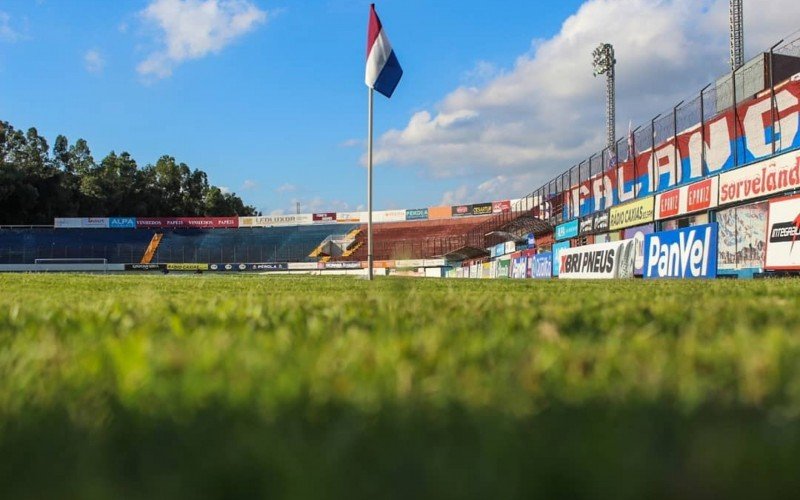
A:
{"x": 772, "y": 176}
{"x": 351, "y": 217}
{"x": 600, "y": 261}
{"x": 389, "y": 216}
{"x": 783, "y": 234}
{"x": 695, "y": 197}
{"x": 94, "y": 222}
{"x": 276, "y": 220}
{"x": 71, "y": 222}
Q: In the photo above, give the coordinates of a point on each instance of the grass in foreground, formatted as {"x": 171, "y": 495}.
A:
{"x": 252, "y": 386}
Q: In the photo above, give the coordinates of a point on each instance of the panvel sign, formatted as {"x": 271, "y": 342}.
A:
{"x": 599, "y": 261}
{"x": 567, "y": 230}
{"x": 683, "y": 253}
{"x": 631, "y": 214}
{"x": 772, "y": 176}
{"x": 543, "y": 266}
{"x": 753, "y": 137}
{"x": 783, "y": 234}
{"x": 695, "y": 197}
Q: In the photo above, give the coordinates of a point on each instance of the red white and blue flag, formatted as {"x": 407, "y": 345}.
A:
{"x": 383, "y": 69}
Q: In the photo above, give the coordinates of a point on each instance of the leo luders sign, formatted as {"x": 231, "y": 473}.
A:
{"x": 772, "y": 176}
{"x": 600, "y": 261}
{"x": 631, "y": 214}
{"x": 695, "y": 197}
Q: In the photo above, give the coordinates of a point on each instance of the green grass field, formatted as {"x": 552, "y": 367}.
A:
{"x": 282, "y": 387}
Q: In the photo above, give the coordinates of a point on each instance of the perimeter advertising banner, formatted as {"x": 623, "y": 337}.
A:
{"x": 461, "y": 210}
{"x": 144, "y": 267}
{"x": 637, "y": 234}
{"x": 543, "y": 266}
{"x": 631, "y": 214}
{"x": 187, "y": 267}
{"x": 351, "y": 217}
{"x": 122, "y": 222}
{"x": 683, "y": 253}
{"x": 558, "y": 248}
{"x": 417, "y": 214}
{"x": 482, "y": 209}
{"x": 783, "y": 240}
{"x": 187, "y": 222}
{"x": 599, "y": 261}
{"x": 567, "y": 230}
{"x": 501, "y": 206}
{"x": 227, "y": 267}
{"x": 772, "y": 176}
{"x": 324, "y": 217}
{"x": 276, "y": 220}
{"x": 695, "y": 197}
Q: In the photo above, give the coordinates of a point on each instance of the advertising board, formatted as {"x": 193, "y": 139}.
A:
{"x": 482, "y": 209}
{"x": 783, "y": 247}
{"x": 302, "y": 266}
{"x": 227, "y": 267}
{"x": 409, "y": 263}
{"x": 501, "y": 206}
{"x": 558, "y": 248}
{"x": 531, "y": 240}
{"x": 187, "y": 222}
{"x": 67, "y": 222}
{"x": 94, "y": 222}
{"x": 503, "y": 267}
{"x": 144, "y": 267}
{"x": 276, "y": 220}
{"x": 742, "y": 236}
{"x": 461, "y": 210}
{"x": 599, "y": 261}
{"x": 443, "y": 212}
{"x": 511, "y": 247}
{"x": 519, "y": 267}
{"x": 187, "y": 267}
{"x": 389, "y": 216}
{"x": 631, "y": 214}
{"x": 542, "y": 266}
{"x": 351, "y": 217}
{"x": 682, "y": 253}
{"x": 586, "y": 225}
{"x": 567, "y": 230}
{"x": 637, "y": 234}
{"x": 696, "y": 197}
{"x": 269, "y": 266}
{"x": 122, "y": 222}
{"x": 417, "y": 214}
{"x": 324, "y": 217}
{"x": 343, "y": 265}
{"x": 772, "y": 176}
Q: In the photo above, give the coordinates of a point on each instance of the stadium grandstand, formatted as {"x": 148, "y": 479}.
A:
{"x": 720, "y": 159}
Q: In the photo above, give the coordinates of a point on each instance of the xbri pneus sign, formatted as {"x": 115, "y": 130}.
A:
{"x": 601, "y": 261}
{"x": 684, "y": 253}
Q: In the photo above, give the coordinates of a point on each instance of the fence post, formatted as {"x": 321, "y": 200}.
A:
{"x": 735, "y": 121}
{"x": 703, "y": 169}
{"x": 675, "y": 140}
{"x": 772, "y": 103}
{"x": 652, "y": 175}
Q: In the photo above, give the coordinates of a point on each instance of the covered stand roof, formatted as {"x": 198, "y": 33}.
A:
{"x": 466, "y": 253}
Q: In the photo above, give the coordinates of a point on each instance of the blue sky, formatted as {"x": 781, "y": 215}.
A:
{"x": 267, "y": 96}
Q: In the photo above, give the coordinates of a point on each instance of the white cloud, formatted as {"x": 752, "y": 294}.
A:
{"x": 535, "y": 120}
{"x": 7, "y": 33}
{"x": 94, "y": 61}
{"x": 192, "y": 29}
{"x": 286, "y": 188}
{"x": 249, "y": 185}
{"x": 225, "y": 190}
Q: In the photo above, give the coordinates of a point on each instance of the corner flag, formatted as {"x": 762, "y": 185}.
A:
{"x": 383, "y": 70}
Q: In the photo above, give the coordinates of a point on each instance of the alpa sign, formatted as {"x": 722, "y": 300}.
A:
{"x": 683, "y": 253}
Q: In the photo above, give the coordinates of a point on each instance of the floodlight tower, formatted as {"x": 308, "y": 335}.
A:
{"x": 603, "y": 63}
{"x": 737, "y": 34}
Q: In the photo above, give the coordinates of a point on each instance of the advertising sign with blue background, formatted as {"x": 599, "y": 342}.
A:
{"x": 683, "y": 253}
{"x": 122, "y": 222}
{"x": 543, "y": 265}
{"x": 567, "y": 230}
{"x": 557, "y": 248}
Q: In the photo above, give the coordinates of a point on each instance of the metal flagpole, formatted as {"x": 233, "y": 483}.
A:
{"x": 369, "y": 188}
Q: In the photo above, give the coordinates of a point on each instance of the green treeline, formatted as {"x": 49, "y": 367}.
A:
{"x": 38, "y": 184}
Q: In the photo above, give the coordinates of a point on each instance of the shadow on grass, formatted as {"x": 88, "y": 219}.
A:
{"x": 337, "y": 452}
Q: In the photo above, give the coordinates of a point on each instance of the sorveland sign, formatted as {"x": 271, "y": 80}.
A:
{"x": 631, "y": 214}
{"x": 567, "y": 230}
{"x": 683, "y": 253}
{"x": 599, "y": 261}
{"x": 763, "y": 178}
{"x": 695, "y": 197}
{"x": 783, "y": 234}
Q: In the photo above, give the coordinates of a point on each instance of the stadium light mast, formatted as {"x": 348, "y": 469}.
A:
{"x": 604, "y": 63}
{"x": 737, "y": 34}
